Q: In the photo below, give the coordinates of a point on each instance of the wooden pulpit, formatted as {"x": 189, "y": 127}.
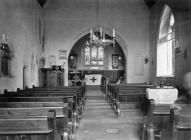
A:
{"x": 53, "y": 77}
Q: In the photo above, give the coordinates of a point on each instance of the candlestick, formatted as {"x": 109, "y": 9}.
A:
{"x": 91, "y": 33}
{"x": 101, "y": 32}
{"x": 103, "y": 36}
{"x": 113, "y": 33}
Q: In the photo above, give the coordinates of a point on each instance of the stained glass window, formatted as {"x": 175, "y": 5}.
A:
{"x": 100, "y": 53}
{"x": 94, "y": 52}
{"x": 87, "y": 54}
{"x": 94, "y": 55}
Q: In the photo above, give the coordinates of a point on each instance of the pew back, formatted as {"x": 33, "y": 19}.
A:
{"x": 30, "y": 104}
{"x": 30, "y": 112}
{"x": 42, "y": 128}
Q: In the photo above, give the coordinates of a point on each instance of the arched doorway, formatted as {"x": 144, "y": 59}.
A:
{"x": 87, "y": 59}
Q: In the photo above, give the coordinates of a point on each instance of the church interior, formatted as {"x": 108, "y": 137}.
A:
{"x": 95, "y": 69}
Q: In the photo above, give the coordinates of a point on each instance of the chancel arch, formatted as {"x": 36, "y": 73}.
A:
{"x": 86, "y": 58}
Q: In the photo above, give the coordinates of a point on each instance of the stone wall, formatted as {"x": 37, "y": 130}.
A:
{"x": 19, "y": 21}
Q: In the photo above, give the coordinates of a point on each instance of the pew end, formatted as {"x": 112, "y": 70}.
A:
{"x": 180, "y": 123}
{"x": 156, "y": 119}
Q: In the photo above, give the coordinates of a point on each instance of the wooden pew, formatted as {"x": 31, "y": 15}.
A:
{"x": 69, "y": 98}
{"x": 60, "y": 91}
{"x": 29, "y": 112}
{"x": 67, "y": 111}
{"x": 63, "y": 99}
{"x": 155, "y": 121}
{"x": 57, "y": 92}
{"x": 179, "y": 124}
{"x": 74, "y": 108}
{"x": 39, "y": 105}
{"x": 39, "y": 112}
{"x": 79, "y": 89}
{"x": 121, "y": 94}
{"x": 30, "y": 104}
{"x": 160, "y": 101}
{"x": 42, "y": 128}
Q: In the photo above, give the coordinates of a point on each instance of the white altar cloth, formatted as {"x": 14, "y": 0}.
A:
{"x": 93, "y": 79}
{"x": 162, "y": 95}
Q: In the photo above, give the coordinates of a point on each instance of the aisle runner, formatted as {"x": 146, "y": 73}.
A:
{"x": 99, "y": 122}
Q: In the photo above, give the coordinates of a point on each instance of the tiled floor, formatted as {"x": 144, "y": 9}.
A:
{"x": 99, "y": 122}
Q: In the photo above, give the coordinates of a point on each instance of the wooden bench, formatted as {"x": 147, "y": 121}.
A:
{"x": 74, "y": 109}
{"x": 79, "y": 89}
{"x": 30, "y": 104}
{"x": 42, "y": 101}
{"x": 40, "y": 112}
{"x": 61, "y": 91}
{"x": 179, "y": 124}
{"x": 80, "y": 102}
{"x": 120, "y": 95}
{"x": 63, "y": 99}
{"x": 42, "y": 128}
{"x": 51, "y": 97}
{"x": 155, "y": 121}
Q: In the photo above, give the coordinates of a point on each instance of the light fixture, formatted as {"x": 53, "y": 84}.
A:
{"x": 6, "y": 48}
{"x": 4, "y": 45}
{"x": 147, "y": 60}
{"x": 98, "y": 36}
{"x": 119, "y": 58}
{"x": 180, "y": 51}
{"x": 177, "y": 47}
{"x": 71, "y": 57}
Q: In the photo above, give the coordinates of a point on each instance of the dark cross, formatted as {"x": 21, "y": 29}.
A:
{"x": 93, "y": 79}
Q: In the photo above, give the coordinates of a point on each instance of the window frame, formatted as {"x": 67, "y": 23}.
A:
{"x": 165, "y": 40}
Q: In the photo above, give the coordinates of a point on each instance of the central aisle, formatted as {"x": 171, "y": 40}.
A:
{"x": 99, "y": 122}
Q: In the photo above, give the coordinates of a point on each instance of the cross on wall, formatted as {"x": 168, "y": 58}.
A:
{"x": 93, "y": 79}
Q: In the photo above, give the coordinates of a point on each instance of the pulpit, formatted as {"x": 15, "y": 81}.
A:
{"x": 53, "y": 77}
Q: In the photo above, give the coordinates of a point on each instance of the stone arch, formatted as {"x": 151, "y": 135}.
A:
{"x": 107, "y": 31}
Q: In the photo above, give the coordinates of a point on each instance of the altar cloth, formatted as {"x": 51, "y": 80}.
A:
{"x": 93, "y": 79}
{"x": 162, "y": 95}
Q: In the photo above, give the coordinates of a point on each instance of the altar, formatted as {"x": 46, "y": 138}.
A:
{"x": 93, "y": 79}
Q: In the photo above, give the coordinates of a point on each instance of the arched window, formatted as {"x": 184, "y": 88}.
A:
{"x": 94, "y": 55}
{"x": 87, "y": 54}
{"x": 166, "y": 44}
